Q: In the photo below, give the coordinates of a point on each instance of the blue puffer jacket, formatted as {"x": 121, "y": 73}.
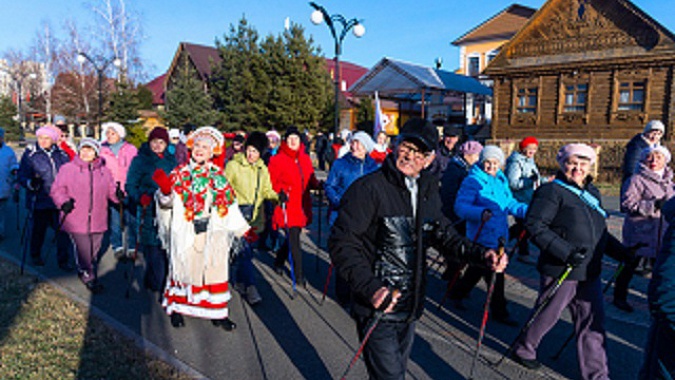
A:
{"x": 661, "y": 293}
{"x": 139, "y": 182}
{"x": 37, "y": 162}
{"x": 480, "y": 191}
{"x": 342, "y": 174}
{"x": 519, "y": 170}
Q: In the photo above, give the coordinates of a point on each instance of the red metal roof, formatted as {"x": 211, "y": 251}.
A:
{"x": 157, "y": 87}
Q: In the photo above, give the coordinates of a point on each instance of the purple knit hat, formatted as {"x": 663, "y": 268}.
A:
{"x": 470, "y": 147}
{"x": 49, "y": 131}
{"x": 580, "y": 150}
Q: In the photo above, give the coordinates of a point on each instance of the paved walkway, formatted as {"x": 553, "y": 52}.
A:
{"x": 284, "y": 338}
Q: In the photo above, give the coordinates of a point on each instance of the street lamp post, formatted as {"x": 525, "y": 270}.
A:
{"x": 318, "y": 16}
{"x": 100, "y": 65}
{"x": 18, "y": 76}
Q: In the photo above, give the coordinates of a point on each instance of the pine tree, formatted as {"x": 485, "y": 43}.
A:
{"x": 365, "y": 111}
{"x": 144, "y": 96}
{"x": 7, "y": 119}
{"x": 240, "y": 84}
{"x": 124, "y": 105}
{"x": 187, "y": 101}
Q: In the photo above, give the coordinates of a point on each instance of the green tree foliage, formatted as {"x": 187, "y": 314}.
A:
{"x": 240, "y": 83}
{"x": 7, "y": 114}
{"x": 366, "y": 111}
{"x": 186, "y": 99}
{"x": 124, "y": 106}
{"x": 144, "y": 97}
{"x": 278, "y": 82}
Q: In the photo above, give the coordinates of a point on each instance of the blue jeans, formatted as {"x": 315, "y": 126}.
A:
{"x": 243, "y": 269}
{"x": 115, "y": 230}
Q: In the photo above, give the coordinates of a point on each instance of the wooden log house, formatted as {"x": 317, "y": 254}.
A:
{"x": 584, "y": 69}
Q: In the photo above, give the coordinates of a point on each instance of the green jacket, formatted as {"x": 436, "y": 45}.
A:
{"x": 248, "y": 180}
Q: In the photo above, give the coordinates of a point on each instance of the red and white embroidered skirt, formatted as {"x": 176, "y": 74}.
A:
{"x": 208, "y": 301}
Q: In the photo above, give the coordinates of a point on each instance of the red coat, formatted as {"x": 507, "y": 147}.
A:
{"x": 292, "y": 172}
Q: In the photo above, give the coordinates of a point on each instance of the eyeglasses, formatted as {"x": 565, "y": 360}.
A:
{"x": 405, "y": 148}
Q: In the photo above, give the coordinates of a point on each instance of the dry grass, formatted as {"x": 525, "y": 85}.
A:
{"x": 46, "y": 335}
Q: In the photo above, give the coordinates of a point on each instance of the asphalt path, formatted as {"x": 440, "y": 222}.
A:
{"x": 303, "y": 337}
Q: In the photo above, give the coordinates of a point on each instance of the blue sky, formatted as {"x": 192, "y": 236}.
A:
{"x": 413, "y": 30}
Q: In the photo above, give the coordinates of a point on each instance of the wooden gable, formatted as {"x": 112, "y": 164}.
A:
{"x": 584, "y": 32}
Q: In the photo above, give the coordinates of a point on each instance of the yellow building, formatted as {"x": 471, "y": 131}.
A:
{"x": 479, "y": 46}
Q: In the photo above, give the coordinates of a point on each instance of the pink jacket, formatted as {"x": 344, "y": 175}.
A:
{"x": 91, "y": 185}
{"x": 119, "y": 165}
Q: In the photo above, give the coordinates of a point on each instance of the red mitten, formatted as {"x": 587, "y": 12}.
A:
{"x": 250, "y": 236}
{"x": 146, "y": 200}
{"x": 162, "y": 180}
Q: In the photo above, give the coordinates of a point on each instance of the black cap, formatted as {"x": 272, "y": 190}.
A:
{"x": 292, "y": 130}
{"x": 452, "y": 130}
{"x": 421, "y": 133}
{"x": 239, "y": 139}
{"x": 188, "y": 128}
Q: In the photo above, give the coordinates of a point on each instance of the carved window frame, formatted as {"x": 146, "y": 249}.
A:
{"x": 633, "y": 77}
{"x": 529, "y": 86}
{"x": 575, "y": 80}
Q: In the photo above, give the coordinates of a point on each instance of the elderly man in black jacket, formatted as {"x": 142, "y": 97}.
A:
{"x": 378, "y": 244}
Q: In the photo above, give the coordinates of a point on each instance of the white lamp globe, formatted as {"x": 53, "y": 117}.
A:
{"x": 316, "y": 17}
{"x": 359, "y": 30}
{"x": 81, "y": 58}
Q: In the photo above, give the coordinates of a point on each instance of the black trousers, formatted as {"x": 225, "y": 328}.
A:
{"x": 293, "y": 240}
{"x": 387, "y": 351}
{"x": 624, "y": 278}
{"x": 49, "y": 218}
{"x": 469, "y": 280}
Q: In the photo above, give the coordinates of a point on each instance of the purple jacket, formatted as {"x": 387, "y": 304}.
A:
{"x": 119, "y": 165}
{"x": 638, "y": 194}
{"x": 91, "y": 185}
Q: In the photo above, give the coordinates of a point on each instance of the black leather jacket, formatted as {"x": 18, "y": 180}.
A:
{"x": 377, "y": 242}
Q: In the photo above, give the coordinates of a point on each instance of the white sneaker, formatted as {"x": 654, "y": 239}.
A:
{"x": 252, "y": 295}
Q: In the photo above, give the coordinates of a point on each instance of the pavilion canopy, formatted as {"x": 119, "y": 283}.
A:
{"x": 391, "y": 77}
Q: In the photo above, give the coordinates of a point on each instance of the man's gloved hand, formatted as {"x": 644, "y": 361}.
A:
{"x": 576, "y": 257}
{"x": 145, "y": 200}
{"x": 534, "y": 176}
{"x": 631, "y": 251}
{"x": 162, "y": 180}
{"x": 658, "y": 204}
{"x": 68, "y": 206}
{"x": 250, "y": 236}
{"x": 35, "y": 183}
{"x": 283, "y": 197}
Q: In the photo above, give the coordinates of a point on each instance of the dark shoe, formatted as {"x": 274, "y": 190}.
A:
{"x": 505, "y": 319}
{"x": 177, "y": 320}
{"x": 623, "y": 305}
{"x": 94, "y": 286}
{"x": 225, "y": 323}
{"x": 527, "y": 363}
{"x": 66, "y": 267}
{"x": 37, "y": 261}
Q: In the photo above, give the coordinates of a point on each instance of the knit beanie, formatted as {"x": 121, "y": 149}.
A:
{"x": 659, "y": 148}
{"x": 159, "y": 133}
{"x": 470, "y": 147}
{"x": 577, "y": 149}
{"x": 90, "y": 142}
{"x": 364, "y": 139}
{"x": 654, "y": 124}
{"x": 292, "y": 130}
{"x": 49, "y": 131}
{"x": 492, "y": 152}
{"x": 528, "y": 141}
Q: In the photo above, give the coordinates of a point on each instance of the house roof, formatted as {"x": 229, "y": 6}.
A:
{"x": 157, "y": 87}
{"x": 503, "y": 25}
{"x": 349, "y": 73}
{"x": 390, "y": 76}
{"x": 202, "y": 56}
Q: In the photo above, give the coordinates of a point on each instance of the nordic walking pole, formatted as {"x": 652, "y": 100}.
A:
{"x": 616, "y": 274}
{"x": 16, "y": 197}
{"x": 486, "y": 309}
{"x": 290, "y": 250}
{"x": 538, "y": 310}
{"x": 484, "y": 217}
{"x": 378, "y": 316}
{"x": 325, "y": 286}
